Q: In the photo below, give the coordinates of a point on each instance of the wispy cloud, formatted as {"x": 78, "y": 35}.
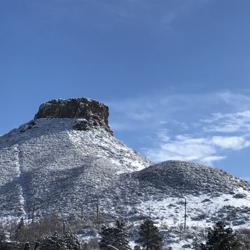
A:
{"x": 197, "y": 127}
{"x": 161, "y": 110}
{"x": 184, "y": 148}
{"x": 228, "y": 123}
{"x": 201, "y": 149}
{"x": 237, "y": 101}
{"x": 230, "y": 142}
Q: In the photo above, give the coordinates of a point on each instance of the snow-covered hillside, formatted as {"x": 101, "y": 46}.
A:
{"x": 48, "y": 161}
{"x": 67, "y": 160}
{"x": 211, "y": 195}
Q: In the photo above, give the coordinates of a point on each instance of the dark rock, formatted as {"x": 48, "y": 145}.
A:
{"x": 236, "y": 215}
{"x": 238, "y": 222}
{"x": 239, "y": 196}
{"x": 87, "y": 113}
{"x": 187, "y": 246}
{"x": 206, "y": 200}
{"x": 199, "y": 217}
{"x": 81, "y": 125}
{"x": 27, "y": 126}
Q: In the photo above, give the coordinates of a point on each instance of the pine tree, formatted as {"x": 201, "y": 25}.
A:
{"x": 243, "y": 236}
{"x": 221, "y": 238}
{"x": 149, "y": 236}
{"x": 2, "y": 235}
{"x": 19, "y": 228}
{"x": 66, "y": 241}
{"x": 114, "y": 237}
{"x": 27, "y": 246}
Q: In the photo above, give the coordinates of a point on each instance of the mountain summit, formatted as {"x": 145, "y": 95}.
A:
{"x": 88, "y": 113}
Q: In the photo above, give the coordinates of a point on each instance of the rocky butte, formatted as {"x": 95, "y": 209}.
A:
{"x": 88, "y": 113}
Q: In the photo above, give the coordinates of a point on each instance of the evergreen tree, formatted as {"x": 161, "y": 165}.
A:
{"x": 221, "y": 238}
{"x": 114, "y": 237}
{"x": 19, "y": 229}
{"x": 243, "y": 236}
{"x": 27, "y": 246}
{"x": 149, "y": 236}
{"x": 2, "y": 235}
{"x": 66, "y": 241}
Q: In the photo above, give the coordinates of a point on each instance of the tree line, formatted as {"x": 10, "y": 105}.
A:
{"x": 52, "y": 233}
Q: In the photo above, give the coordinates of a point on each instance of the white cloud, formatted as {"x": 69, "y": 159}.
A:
{"x": 204, "y": 149}
{"x": 228, "y": 122}
{"x": 196, "y": 127}
{"x": 209, "y": 160}
{"x": 237, "y": 101}
{"x": 233, "y": 142}
{"x": 158, "y": 110}
{"x": 184, "y": 147}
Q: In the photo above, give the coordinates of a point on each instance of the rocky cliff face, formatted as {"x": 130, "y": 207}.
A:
{"x": 86, "y": 112}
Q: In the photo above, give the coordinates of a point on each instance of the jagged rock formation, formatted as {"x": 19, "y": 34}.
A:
{"x": 86, "y": 112}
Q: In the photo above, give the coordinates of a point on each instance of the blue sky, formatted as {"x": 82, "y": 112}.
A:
{"x": 175, "y": 73}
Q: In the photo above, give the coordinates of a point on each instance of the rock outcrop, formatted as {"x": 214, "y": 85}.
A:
{"x": 86, "y": 112}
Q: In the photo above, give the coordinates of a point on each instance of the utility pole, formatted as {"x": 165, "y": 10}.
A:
{"x": 35, "y": 208}
{"x": 64, "y": 226}
{"x": 33, "y": 213}
{"x": 82, "y": 214}
{"x": 185, "y": 214}
{"x": 98, "y": 214}
{"x": 149, "y": 210}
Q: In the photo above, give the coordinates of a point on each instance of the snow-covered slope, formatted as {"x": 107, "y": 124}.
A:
{"x": 67, "y": 160}
{"x": 48, "y": 163}
{"x": 211, "y": 194}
